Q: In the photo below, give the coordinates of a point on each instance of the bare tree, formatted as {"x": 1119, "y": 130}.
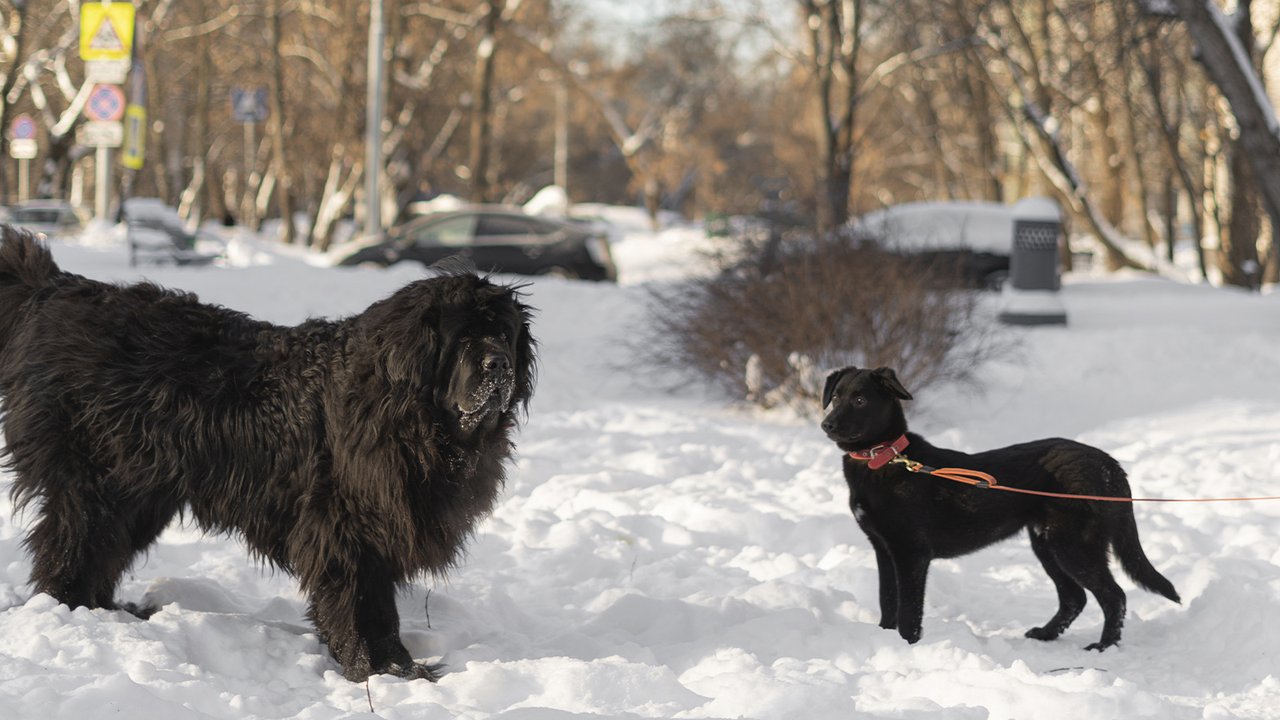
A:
{"x": 13, "y": 36}
{"x": 1225, "y": 44}
{"x": 834, "y": 42}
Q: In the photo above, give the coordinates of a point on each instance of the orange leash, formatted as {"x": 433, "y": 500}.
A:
{"x": 979, "y": 479}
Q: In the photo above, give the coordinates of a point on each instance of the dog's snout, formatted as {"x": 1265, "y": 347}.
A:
{"x": 496, "y": 362}
{"x": 828, "y": 425}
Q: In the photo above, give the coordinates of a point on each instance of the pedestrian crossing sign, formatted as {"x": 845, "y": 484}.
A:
{"x": 106, "y": 30}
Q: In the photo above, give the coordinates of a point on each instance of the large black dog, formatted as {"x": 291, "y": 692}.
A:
{"x": 912, "y": 518}
{"x": 355, "y": 454}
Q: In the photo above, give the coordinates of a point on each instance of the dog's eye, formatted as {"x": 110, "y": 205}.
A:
{"x": 859, "y": 401}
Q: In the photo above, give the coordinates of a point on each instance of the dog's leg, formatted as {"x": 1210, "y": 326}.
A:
{"x": 356, "y": 614}
{"x": 79, "y": 546}
{"x": 145, "y": 525}
{"x": 1087, "y": 564}
{"x": 1071, "y": 597}
{"x": 888, "y": 585}
{"x": 912, "y": 566}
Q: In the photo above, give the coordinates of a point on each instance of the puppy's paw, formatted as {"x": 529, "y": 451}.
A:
{"x": 143, "y": 612}
{"x": 1099, "y": 646}
{"x": 911, "y": 635}
{"x": 889, "y": 623}
{"x": 1043, "y": 633}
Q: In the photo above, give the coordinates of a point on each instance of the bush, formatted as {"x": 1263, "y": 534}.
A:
{"x": 780, "y": 315}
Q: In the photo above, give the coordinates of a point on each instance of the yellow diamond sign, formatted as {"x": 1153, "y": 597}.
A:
{"x": 106, "y": 30}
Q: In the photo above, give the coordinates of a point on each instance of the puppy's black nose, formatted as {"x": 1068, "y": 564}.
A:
{"x": 496, "y": 362}
{"x": 828, "y": 426}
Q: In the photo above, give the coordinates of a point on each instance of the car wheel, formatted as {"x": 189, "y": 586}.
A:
{"x": 995, "y": 280}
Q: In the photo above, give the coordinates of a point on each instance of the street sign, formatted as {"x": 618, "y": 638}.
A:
{"x": 135, "y": 137}
{"x": 106, "y": 41}
{"x": 22, "y": 128}
{"x": 23, "y": 149}
{"x": 106, "y": 31}
{"x": 111, "y": 72}
{"x": 106, "y": 103}
{"x": 22, "y": 138}
{"x": 249, "y": 105}
{"x": 101, "y": 133}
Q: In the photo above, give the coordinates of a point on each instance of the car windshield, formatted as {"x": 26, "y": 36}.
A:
{"x": 450, "y": 231}
{"x": 511, "y": 228}
{"x": 37, "y": 215}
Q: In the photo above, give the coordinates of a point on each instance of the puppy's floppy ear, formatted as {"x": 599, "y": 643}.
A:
{"x": 830, "y": 387}
{"x": 889, "y": 379}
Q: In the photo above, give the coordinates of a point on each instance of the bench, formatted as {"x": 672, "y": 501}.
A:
{"x": 156, "y": 234}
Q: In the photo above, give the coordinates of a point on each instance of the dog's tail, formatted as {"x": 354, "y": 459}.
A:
{"x": 25, "y": 266}
{"x": 1134, "y": 560}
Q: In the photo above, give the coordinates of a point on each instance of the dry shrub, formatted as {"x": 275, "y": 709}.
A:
{"x": 779, "y": 316}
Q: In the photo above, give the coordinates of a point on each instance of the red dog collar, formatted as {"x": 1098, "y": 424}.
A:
{"x": 880, "y": 455}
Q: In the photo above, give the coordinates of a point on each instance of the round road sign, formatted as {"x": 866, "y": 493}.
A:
{"x": 106, "y": 103}
{"x": 22, "y": 128}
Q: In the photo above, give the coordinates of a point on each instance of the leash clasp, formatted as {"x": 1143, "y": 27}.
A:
{"x": 908, "y": 463}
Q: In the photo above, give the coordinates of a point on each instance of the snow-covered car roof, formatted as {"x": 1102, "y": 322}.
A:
{"x": 977, "y": 225}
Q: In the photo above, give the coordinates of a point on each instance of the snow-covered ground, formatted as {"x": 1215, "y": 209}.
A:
{"x": 663, "y": 555}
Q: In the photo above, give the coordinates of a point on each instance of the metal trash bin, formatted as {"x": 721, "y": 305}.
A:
{"x": 1031, "y": 295}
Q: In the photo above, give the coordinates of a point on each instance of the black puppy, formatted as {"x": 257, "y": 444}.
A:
{"x": 912, "y": 518}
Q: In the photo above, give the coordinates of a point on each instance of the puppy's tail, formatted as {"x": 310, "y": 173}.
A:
{"x": 1134, "y": 560}
{"x": 25, "y": 266}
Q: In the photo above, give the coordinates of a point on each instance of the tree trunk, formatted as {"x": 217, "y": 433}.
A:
{"x": 1238, "y": 247}
{"x": 1169, "y": 132}
{"x": 482, "y": 104}
{"x": 275, "y": 99}
{"x": 191, "y": 202}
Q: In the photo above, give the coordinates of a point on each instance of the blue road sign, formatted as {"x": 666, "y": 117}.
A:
{"x": 249, "y": 105}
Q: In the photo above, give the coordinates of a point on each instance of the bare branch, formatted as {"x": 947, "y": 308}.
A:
{"x": 209, "y": 27}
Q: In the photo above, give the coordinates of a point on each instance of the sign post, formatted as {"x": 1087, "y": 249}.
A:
{"x": 249, "y": 107}
{"x": 104, "y": 109}
{"x": 22, "y": 146}
{"x": 106, "y": 47}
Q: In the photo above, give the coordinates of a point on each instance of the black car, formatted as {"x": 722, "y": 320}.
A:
{"x": 496, "y": 240}
{"x": 53, "y": 218}
{"x": 971, "y": 238}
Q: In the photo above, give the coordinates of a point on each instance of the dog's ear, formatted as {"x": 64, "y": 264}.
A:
{"x": 889, "y": 379}
{"x": 830, "y": 387}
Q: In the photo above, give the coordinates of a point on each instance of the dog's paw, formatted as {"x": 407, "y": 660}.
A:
{"x": 889, "y": 623}
{"x": 1043, "y": 633}
{"x": 1099, "y": 646}
{"x": 142, "y": 612}
{"x": 911, "y": 635}
{"x": 417, "y": 671}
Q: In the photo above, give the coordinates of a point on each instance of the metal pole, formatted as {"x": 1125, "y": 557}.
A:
{"x": 249, "y": 203}
{"x": 102, "y": 184}
{"x": 24, "y": 180}
{"x": 373, "y": 121}
{"x": 562, "y": 135}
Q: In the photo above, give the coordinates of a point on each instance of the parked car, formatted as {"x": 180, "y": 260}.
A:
{"x": 976, "y": 236}
{"x": 50, "y": 217}
{"x": 494, "y": 239}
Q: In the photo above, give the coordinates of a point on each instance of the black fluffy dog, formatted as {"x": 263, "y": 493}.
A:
{"x": 912, "y": 518}
{"x": 354, "y": 454}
